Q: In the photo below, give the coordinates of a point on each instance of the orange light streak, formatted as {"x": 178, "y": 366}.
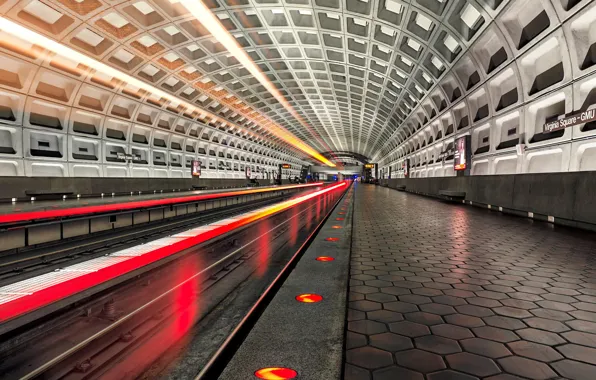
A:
{"x": 64, "y": 51}
{"x": 202, "y": 13}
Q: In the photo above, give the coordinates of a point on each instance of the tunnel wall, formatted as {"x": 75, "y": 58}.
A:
{"x": 24, "y": 187}
{"x": 568, "y": 197}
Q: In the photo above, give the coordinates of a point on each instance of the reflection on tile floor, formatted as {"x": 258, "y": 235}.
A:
{"x": 447, "y": 292}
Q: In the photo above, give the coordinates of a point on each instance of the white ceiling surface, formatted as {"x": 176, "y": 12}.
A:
{"x": 350, "y": 68}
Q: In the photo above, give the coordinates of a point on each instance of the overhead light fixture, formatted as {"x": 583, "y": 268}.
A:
{"x": 25, "y": 34}
{"x": 211, "y": 22}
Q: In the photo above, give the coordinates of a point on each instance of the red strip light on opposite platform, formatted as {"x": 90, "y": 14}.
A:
{"x": 73, "y": 286}
{"x": 309, "y": 298}
{"x": 69, "y": 212}
{"x": 276, "y": 373}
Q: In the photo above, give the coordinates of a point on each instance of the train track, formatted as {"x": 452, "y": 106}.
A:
{"x": 135, "y": 312}
{"x": 34, "y": 262}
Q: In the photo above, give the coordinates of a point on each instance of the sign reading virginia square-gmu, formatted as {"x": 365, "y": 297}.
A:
{"x": 570, "y": 121}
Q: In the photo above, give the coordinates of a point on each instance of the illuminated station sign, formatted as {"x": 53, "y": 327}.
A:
{"x": 195, "y": 168}
{"x": 286, "y": 166}
{"x": 569, "y": 121}
{"x": 369, "y": 166}
{"x": 462, "y": 155}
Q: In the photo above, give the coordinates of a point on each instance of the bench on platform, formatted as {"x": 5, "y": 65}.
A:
{"x": 452, "y": 195}
{"x": 48, "y": 194}
{"x": 400, "y": 188}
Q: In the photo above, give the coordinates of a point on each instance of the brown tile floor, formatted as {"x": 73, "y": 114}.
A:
{"x": 449, "y": 292}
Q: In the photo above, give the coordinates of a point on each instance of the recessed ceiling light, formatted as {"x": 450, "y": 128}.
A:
{"x": 143, "y": 7}
{"x": 147, "y": 41}
{"x": 451, "y": 43}
{"x": 393, "y": 6}
{"x": 438, "y": 64}
{"x": 115, "y": 20}
{"x": 423, "y": 22}
{"x": 470, "y": 15}
{"x": 413, "y": 44}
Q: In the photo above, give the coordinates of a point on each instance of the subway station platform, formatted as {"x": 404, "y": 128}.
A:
{"x": 445, "y": 291}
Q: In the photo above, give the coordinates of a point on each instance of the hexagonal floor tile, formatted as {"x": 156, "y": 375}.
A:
{"x": 502, "y": 322}
{"x": 354, "y": 340}
{"x": 394, "y": 372}
{"x": 409, "y": 329}
{"x": 365, "y": 305}
{"x": 450, "y": 375}
{"x": 585, "y": 339}
{"x": 496, "y": 334}
{"x": 391, "y": 342}
{"x": 579, "y": 353}
{"x": 570, "y": 369}
{"x": 485, "y": 347}
{"x": 534, "y": 351}
{"x": 367, "y": 327}
{"x": 385, "y": 316}
{"x": 355, "y": 373}
{"x": 369, "y": 357}
{"x": 476, "y": 311}
{"x": 527, "y": 368}
{"x": 424, "y": 318}
{"x": 473, "y": 364}
{"x": 380, "y": 297}
{"x": 464, "y": 320}
{"x": 437, "y": 344}
{"x": 539, "y": 336}
{"x": 400, "y": 307}
{"x": 437, "y": 308}
{"x": 420, "y": 361}
{"x": 451, "y": 331}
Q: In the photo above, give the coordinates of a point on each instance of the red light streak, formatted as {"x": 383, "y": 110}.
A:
{"x": 336, "y": 227}
{"x": 20, "y": 217}
{"x": 264, "y": 249}
{"x": 68, "y": 288}
{"x": 331, "y": 239}
{"x": 294, "y": 227}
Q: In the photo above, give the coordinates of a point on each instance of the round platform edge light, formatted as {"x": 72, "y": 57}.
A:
{"x": 339, "y": 218}
{"x": 336, "y": 227}
{"x": 309, "y": 298}
{"x": 331, "y": 239}
{"x": 325, "y": 258}
{"x": 276, "y": 373}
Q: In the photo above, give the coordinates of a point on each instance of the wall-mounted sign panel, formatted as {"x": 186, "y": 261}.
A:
{"x": 369, "y": 166}
{"x": 286, "y": 166}
{"x": 569, "y": 121}
{"x": 406, "y": 167}
{"x": 462, "y": 155}
{"x": 195, "y": 167}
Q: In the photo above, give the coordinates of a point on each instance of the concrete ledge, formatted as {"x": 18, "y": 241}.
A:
{"x": 562, "y": 196}
{"x": 306, "y": 337}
